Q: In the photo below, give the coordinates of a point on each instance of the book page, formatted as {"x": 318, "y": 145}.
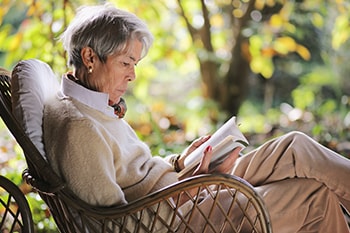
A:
{"x": 226, "y": 138}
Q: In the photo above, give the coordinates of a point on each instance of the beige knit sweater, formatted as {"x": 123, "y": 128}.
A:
{"x": 100, "y": 157}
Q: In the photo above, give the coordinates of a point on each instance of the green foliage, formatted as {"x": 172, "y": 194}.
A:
{"x": 260, "y": 62}
{"x": 43, "y": 221}
{"x": 12, "y": 165}
{"x": 341, "y": 31}
{"x": 309, "y": 95}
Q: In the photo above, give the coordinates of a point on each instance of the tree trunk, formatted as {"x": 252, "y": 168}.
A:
{"x": 235, "y": 87}
{"x": 229, "y": 91}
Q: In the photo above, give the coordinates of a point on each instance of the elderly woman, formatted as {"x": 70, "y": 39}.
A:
{"x": 102, "y": 160}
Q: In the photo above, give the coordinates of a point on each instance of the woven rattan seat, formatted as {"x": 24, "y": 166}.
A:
{"x": 71, "y": 214}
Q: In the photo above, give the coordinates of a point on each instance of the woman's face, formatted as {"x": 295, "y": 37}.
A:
{"x": 118, "y": 71}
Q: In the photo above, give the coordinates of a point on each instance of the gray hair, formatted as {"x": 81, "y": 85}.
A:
{"x": 106, "y": 30}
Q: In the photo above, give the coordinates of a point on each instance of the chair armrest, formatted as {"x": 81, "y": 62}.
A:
{"x": 162, "y": 210}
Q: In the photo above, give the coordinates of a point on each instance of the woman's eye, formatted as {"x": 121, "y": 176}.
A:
{"x": 126, "y": 64}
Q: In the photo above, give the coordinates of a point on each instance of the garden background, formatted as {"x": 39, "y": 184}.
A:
{"x": 278, "y": 65}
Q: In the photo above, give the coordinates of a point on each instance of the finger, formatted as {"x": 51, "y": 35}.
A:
{"x": 197, "y": 143}
{"x": 201, "y": 140}
{"x": 194, "y": 145}
{"x": 203, "y": 166}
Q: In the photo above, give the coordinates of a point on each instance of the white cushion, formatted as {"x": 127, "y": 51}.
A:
{"x": 32, "y": 83}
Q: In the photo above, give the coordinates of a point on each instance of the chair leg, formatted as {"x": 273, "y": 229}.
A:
{"x": 15, "y": 214}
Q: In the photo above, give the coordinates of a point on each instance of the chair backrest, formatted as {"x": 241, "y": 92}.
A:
{"x": 25, "y": 76}
{"x": 27, "y": 96}
{"x": 32, "y": 83}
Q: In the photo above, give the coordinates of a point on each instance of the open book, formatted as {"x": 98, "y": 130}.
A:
{"x": 223, "y": 141}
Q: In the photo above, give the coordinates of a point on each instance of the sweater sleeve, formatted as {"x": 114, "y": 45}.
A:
{"x": 85, "y": 160}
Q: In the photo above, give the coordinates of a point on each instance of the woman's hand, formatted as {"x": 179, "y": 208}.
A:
{"x": 194, "y": 145}
{"x": 203, "y": 168}
{"x": 225, "y": 167}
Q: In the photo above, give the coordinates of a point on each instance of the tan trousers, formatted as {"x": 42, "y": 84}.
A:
{"x": 301, "y": 182}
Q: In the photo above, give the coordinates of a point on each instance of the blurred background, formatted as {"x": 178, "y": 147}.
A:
{"x": 278, "y": 65}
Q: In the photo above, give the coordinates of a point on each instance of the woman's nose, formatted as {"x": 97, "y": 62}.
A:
{"x": 132, "y": 74}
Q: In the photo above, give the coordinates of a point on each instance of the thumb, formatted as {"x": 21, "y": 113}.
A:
{"x": 203, "y": 166}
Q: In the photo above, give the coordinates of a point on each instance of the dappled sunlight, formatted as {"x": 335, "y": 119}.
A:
{"x": 278, "y": 65}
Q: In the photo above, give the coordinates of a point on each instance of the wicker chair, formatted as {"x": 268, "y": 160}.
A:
{"x": 73, "y": 215}
{"x": 15, "y": 214}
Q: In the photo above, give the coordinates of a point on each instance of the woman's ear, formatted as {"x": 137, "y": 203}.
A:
{"x": 88, "y": 57}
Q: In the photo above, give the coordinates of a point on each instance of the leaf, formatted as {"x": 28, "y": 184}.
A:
{"x": 268, "y": 68}
{"x": 303, "y": 97}
{"x": 16, "y": 41}
{"x": 255, "y": 45}
{"x": 259, "y": 4}
{"x": 276, "y": 21}
{"x": 262, "y": 65}
{"x": 268, "y": 52}
{"x": 317, "y": 20}
{"x": 256, "y": 64}
{"x": 217, "y": 21}
{"x": 284, "y": 45}
{"x": 341, "y": 31}
{"x": 303, "y": 52}
{"x": 4, "y": 33}
{"x": 35, "y": 9}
